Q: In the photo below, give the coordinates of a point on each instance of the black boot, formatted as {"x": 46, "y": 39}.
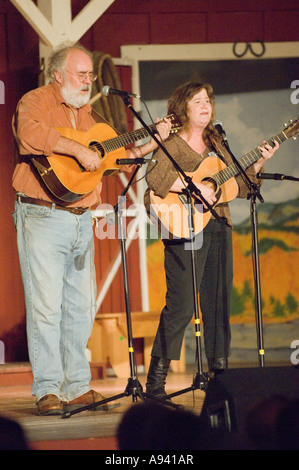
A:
{"x": 156, "y": 377}
{"x": 217, "y": 364}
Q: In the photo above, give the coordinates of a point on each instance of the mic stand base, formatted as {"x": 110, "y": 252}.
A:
{"x": 200, "y": 382}
{"x": 133, "y": 389}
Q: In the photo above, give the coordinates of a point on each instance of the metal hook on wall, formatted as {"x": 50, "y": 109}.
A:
{"x": 263, "y": 49}
{"x": 249, "y": 47}
{"x": 235, "y": 49}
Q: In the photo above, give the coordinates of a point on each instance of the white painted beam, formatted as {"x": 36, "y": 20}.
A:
{"x": 35, "y": 18}
{"x": 59, "y": 14}
{"x": 203, "y": 51}
{"x": 87, "y": 16}
{"x": 52, "y": 19}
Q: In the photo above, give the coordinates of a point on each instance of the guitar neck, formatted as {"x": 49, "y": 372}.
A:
{"x": 245, "y": 161}
{"x": 125, "y": 139}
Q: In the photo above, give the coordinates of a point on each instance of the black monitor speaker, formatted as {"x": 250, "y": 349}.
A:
{"x": 231, "y": 392}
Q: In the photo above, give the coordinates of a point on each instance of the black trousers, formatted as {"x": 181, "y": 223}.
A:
{"x": 214, "y": 277}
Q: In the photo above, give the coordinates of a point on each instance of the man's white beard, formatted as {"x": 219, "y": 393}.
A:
{"x": 73, "y": 96}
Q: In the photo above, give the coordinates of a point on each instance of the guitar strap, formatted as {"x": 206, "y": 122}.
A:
{"x": 98, "y": 118}
{"x": 217, "y": 147}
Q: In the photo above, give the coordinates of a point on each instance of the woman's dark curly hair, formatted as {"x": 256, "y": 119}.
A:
{"x": 177, "y": 104}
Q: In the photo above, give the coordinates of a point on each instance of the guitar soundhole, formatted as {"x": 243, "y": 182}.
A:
{"x": 97, "y": 147}
{"x": 211, "y": 183}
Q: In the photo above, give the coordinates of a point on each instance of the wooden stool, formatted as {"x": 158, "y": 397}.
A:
{"x": 109, "y": 340}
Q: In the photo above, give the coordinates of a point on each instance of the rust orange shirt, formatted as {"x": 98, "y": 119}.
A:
{"x": 39, "y": 113}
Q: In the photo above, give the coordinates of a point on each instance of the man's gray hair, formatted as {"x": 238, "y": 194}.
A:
{"x": 58, "y": 57}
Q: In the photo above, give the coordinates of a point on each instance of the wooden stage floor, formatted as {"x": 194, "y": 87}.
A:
{"x": 95, "y": 430}
{"x": 88, "y": 430}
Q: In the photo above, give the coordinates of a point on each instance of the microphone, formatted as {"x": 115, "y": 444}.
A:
{"x": 275, "y": 176}
{"x": 270, "y": 176}
{"x": 133, "y": 161}
{"x": 107, "y": 90}
{"x": 218, "y": 126}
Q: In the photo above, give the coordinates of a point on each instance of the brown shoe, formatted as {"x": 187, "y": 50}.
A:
{"x": 49, "y": 405}
{"x": 88, "y": 399}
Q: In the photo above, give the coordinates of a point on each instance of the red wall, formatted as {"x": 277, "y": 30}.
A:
{"x": 125, "y": 22}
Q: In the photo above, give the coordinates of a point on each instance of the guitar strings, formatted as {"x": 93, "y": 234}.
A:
{"x": 128, "y": 137}
{"x": 244, "y": 161}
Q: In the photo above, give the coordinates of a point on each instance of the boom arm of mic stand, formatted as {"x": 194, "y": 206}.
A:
{"x": 189, "y": 183}
{"x": 126, "y": 189}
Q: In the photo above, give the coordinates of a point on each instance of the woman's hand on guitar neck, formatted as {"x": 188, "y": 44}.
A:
{"x": 141, "y": 151}
{"x": 267, "y": 152}
{"x": 164, "y": 128}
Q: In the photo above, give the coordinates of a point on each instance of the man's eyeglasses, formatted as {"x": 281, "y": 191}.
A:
{"x": 83, "y": 76}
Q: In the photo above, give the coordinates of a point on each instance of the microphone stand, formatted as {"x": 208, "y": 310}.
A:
{"x": 252, "y": 195}
{"x": 201, "y": 379}
{"x": 134, "y": 388}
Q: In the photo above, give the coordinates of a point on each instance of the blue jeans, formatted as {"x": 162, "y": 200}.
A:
{"x": 56, "y": 252}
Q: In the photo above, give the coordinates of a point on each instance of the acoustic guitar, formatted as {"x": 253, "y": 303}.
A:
{"x": 172, "y": 211}
{"x": 67, "y": 179}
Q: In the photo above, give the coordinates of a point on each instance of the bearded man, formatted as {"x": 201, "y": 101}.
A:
{"x": 55, "y": 241}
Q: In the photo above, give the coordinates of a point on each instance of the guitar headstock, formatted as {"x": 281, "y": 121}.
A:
{"x": 292, "y": 128}
{"x": 175, "y": 123}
